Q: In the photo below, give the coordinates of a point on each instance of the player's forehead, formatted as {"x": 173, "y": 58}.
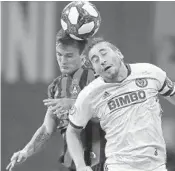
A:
{"x": 64, "y": 48}
{"x": 98, "y": 48}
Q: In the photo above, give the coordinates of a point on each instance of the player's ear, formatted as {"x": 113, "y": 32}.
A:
{"x": 82, "y": 57}
{"x": 85, "y": 62}
{"x": 121, "y": 57}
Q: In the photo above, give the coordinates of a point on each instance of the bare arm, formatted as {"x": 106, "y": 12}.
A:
{"x": 42, "y": 135}
{"x": 38, "y": 140}
{"x": 75, "y": 146}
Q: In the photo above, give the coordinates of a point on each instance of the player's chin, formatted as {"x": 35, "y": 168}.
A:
{"x": 65, "y": 70}
{"x": 109, "y": 74}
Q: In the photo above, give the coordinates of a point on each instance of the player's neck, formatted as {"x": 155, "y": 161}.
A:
{"x": 123, "y": 73}
{"x": 70, "y": 73}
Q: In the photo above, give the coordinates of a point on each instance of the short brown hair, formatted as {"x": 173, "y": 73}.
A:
{"x": 95, "y": 40}
{"x": 65, "y": 39}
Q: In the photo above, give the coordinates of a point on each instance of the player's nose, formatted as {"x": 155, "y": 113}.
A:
{"x": 103, "y": 62}
{"x": 63, "y": 60}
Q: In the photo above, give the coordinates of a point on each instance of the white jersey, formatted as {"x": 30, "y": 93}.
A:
{"x": 130, "y": 114}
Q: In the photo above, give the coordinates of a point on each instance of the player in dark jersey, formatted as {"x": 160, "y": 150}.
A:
{"x": 67, "y": 87}
{"x": 62, "y": 93}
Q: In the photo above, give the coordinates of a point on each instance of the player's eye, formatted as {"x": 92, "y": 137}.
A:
{"x": 58, "y": 54}
{"x": 104, "y": 53}
{"x": 69, "y": 56}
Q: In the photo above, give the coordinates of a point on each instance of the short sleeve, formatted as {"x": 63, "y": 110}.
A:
{"x": 165, "y": 85}
{"x": 81, "y": 112}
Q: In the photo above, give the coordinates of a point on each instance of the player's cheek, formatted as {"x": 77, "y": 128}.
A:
{"x": 98, "y": 69}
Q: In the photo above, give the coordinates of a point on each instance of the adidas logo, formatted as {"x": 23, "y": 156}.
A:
{"x": 106, "y": 94}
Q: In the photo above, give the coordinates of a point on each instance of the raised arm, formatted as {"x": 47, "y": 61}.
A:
{"x": 42, "y": 135}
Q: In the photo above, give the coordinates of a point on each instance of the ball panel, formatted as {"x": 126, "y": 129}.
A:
{"x": 75, "y": 37}
{"x": 73, "y": 15}
{"x": 90, "y": 9}
{"x": 64, "y": 25}
{"x": 81, "y": 20}
{"x": 86, "y": 28}
{"x": 95, "y": 31}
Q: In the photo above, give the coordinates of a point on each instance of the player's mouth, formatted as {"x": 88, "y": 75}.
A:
{"x": 64, "y": 67}
{"x": 106, "y": 68}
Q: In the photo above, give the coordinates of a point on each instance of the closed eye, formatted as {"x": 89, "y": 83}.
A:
{"x": 104, "y": 53}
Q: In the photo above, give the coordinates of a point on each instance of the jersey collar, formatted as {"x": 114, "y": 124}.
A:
{"x": 129, "y": 69}
{"x": 128, "y": 74}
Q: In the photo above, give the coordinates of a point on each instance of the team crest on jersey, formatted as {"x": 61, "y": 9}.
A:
{"x": 169, "y": 83}
{"x": 75, "y": 88}
{"x": 141, "y": 82}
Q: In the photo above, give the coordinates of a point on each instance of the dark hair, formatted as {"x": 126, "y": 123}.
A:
{"x": 65, "y": 39}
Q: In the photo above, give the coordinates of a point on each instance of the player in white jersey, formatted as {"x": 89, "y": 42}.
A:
{"x": 125, "y": 100}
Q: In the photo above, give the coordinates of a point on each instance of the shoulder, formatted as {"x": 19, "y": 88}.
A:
{"x": 147, "y": 69}
{"x": 93, "y": 85}
{"x": 85, "y": 95}
{"x": 54, "y": 82}
{"x": 52, "y": 85}
{"x": 144, "y": 66}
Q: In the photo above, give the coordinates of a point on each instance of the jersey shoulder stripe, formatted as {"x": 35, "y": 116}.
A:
{"x": 75, "y": 126}
{"x": 165, "y": 86}
{"x": 147, "y": 70}
{"x": 168, "y": 89}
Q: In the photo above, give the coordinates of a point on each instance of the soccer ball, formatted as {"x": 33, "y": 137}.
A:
{"x": 80, "y": 19}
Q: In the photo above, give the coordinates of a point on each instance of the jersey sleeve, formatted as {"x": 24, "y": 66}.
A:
{"x": 165, "y": 85}
{"x": 81, "y": 112}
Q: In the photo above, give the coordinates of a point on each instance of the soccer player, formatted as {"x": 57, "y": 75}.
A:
{"x": 125, "y": 100}
{"x": 62, "y": 94}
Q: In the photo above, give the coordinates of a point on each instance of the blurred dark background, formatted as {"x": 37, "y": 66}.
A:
{"x": 143, "y": 31}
